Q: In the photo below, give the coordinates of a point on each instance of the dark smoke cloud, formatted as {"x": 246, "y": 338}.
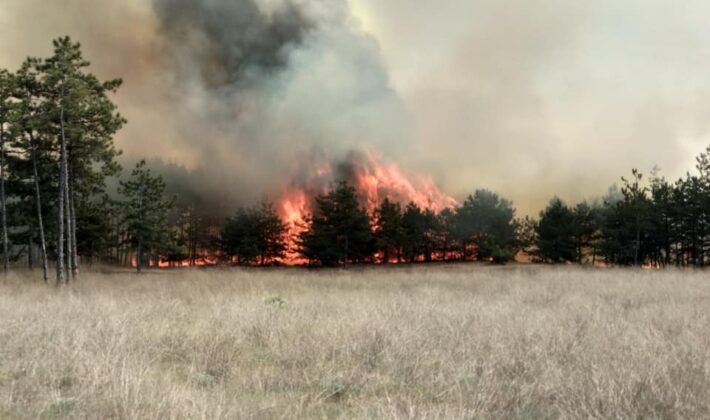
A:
{"x": 231, "y": 43}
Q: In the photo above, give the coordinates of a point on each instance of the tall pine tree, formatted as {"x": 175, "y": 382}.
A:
{"x": 145, "y": 212}
{"x": 339, "y": 232}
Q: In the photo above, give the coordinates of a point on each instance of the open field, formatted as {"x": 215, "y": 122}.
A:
{"x": 440, "y": 342}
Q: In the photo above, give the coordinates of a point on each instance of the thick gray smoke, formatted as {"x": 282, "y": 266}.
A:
{"x": 529, "y": 98}
{"x": 231, "y": 44}
{"x": 266, "y": 89}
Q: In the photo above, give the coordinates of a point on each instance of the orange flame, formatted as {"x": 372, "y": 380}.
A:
{"x": 293, "y": 209}
{"x": 376, "y": 181}
{"x": 373, "y": 180}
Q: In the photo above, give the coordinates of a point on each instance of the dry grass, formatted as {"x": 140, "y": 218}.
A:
{"x": 442, "y": 342}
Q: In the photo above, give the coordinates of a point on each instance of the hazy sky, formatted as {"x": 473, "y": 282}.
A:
{"x": 528, "y": 98}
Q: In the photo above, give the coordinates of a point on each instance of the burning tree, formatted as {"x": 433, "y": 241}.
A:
{"x": 389, "y": 231}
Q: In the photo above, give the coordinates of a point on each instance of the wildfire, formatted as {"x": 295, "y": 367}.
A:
{"x": 376, "y": 181}
{"x": 373, "y": 179}
{"x": 202, "y": 261}
{"x": 294, "y": 207}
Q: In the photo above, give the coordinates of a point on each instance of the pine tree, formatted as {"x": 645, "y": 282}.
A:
{"x": 627, "y": 224}
{"x": 556, "y": 233}
{"x": 447, "y": 233}
{"x": 33, "y": 139}
{"x": 414, "y": 228}
{"x": 6, "y": 88}
{"x": 85, "y": 121}
{"x": 240, "y": 237}
{"x": 145, "y": 212}
{"x": 585, "y": 229}
{"x": 271, "y": 234}
{"x": 389, "y": 231}
{"x": 339, "y": 231}
{"x": 662, "y": 234}
{"x": 488, "y": 221}
{"x": 636, "y": 201}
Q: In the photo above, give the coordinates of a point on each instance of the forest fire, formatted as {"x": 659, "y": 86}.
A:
{"x": 373, "y": 180}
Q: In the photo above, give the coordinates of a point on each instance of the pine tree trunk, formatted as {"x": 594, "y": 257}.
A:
{"x": 346, "y": 251}
{"x": 139, "y": 256}
{"x": 72, "y": 216}
{"x": 638, "y": 242}
{"x": 67, "y": 219}
{"x": 60, "y": 197}
{"x": 3, "y": 209}
{"x": 40, "y": 222}
{"x": 30, "y": 262}
{"x": 119, "y": 246}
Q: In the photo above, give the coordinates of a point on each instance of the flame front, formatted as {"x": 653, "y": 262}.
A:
{"x": 376, "y": 181}
{"x": 373, "y": 180}
{"x": 294, "y": 208}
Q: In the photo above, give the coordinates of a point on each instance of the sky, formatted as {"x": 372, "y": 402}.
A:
{"x": 529, "y": 99}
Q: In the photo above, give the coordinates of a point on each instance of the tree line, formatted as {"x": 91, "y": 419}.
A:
{"x": 57, "y": 124}
{"x": 57, "y": 128}
{"x": 659, "y": 223}
{"x": 341, "y": 232}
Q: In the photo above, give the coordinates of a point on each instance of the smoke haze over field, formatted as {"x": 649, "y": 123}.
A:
{"x": 531, "y": 99}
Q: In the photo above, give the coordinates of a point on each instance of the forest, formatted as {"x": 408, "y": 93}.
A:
{"x": 57, "y": 152}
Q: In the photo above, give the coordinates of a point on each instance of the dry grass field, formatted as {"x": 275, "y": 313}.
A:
{"x": 421, "y": 342}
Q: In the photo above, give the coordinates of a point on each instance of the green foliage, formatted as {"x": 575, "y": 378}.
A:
{"x": 556, "y": 233}
{"x": 52, "y": 99}
{"x": 421, "y": 228}
{"x": 389, "y": 230}
{"x": 586, "y": 229}
{"x": 627, "y": 224}
{"x": 91, "y": 119}
{"x": 487, "y": 221}
{"x": 94, "y": 233}
{"x": 339, "y": 231}
{"x": 145, "y": 212}
{"x": 255, "y": 235}
{"x": 414, "y": 227}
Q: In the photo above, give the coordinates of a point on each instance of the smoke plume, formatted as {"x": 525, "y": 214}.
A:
{"x": 231, "y": 44}
{"x": 233, "y": 98}
{"x": 266, "y": 91}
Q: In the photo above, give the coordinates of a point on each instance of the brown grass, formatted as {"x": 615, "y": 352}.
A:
{"x": 441, "y": 342}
